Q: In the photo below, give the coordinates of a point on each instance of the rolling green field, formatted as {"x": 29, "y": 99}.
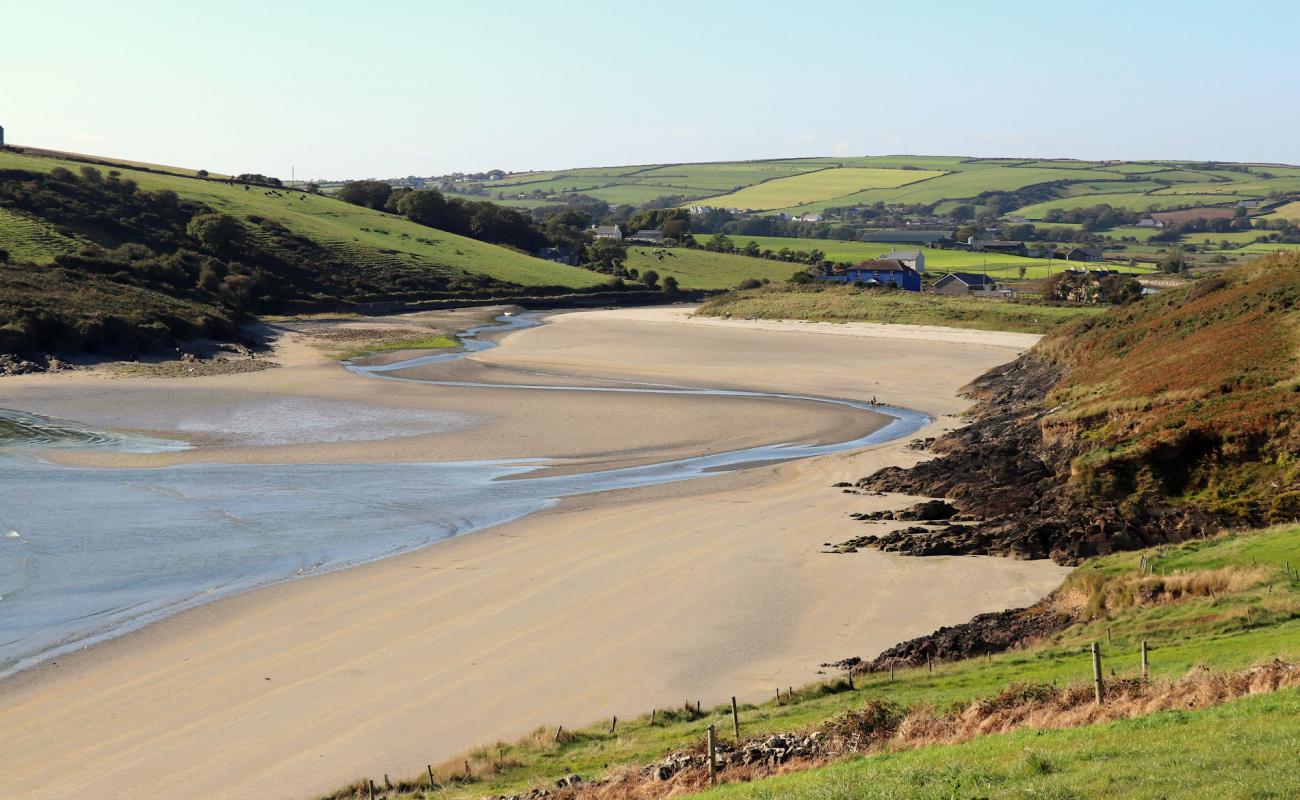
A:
{"x": 700, "y": 269}
{"x": 937, "y": 262}
{"x": 1244, "y": 748}
{"x": 840, "y": 303}
{"x": 1289, "y": 211}
{"x": 1136, "y": 201}
{"x": 366, "y": 236}
{"x": 800, "y": 185}
{"x": 819, "y": 186}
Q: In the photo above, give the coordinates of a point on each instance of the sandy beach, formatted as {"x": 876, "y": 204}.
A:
{"x": 605, "y": 604}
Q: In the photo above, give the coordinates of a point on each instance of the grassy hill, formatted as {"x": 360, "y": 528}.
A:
{"x": 370, "y": 239}
{"x": 801, "y": 185}
{"x": 108, "y": 260}
{"x": 1151, "y": 423}
{"x": 1007, "y": 724}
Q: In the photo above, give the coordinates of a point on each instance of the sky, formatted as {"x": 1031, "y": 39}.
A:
{"x": 335, "y": 90}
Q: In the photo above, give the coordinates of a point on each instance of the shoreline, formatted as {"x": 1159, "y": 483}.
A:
{"x": 319, "y": 626}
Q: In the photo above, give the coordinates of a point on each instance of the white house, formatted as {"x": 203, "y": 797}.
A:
{"x": 1150, "y": 222}
{"x": 605, "y": 232}
{"x": 811, "y": 216}
{"x": 912, "y": 258}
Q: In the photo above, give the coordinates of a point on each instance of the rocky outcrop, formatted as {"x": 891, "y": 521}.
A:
{"x": 1002, "y": 471}
{"x": 11, "y": 364}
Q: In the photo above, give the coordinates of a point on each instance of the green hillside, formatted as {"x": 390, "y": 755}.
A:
{"x": 801, "y": 185}
{"x": 937, "y": 261}
{"x": 363, "y": 236}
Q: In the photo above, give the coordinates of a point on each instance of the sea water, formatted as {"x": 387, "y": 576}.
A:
{"x": 88, "y": 553}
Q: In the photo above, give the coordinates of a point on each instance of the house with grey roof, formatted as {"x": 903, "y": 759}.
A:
{"x": 912, "y": 258}
{"x": 605, "y": 232}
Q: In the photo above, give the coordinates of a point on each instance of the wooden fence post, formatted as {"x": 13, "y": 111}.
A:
{"x": 778, "y": 695}
{"x": 613, "y": 725}
{"x": 1096, "y": 673}
{"x": 713, "y": 754}
{"x": 1109, "y": 638}
{"x": 653, "y": 711}
{"x": 371, "y": 785}
{"x": 735, "y": 718}
{"x": 1145, "y": 671}
{"x": 892, "y": 666}
{"x": 432, "y": 783}
{"x": 849, "y": 671}
{"x": 558, "y": 733}
{"x": 468, "y": 774}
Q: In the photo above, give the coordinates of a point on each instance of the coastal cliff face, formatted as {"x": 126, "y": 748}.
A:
{"x": 1151, "y": 424}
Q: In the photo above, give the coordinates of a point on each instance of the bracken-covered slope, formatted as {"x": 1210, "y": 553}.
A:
{"x": 1140, "y": 426}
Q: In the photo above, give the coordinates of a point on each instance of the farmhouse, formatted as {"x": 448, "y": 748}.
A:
{"x": 605, "y": 232}
{"x": 1084, "y": 254}
{"x": 560, "y": 255}
{"x": 888, "y": 273}
{"x": 965, "y": 283}
{"x": 809, "y": 217}
{"x": 647, "y": 235}
{"x": 1150, "y": 222}
{"x": 907, "y": 237}
{"x": 912, "y": 258}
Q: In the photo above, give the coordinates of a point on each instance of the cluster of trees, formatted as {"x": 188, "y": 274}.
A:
{"x": 1084, "y": 287}
{"x": 477, "y": 219}
{"x": 721, "y": 243}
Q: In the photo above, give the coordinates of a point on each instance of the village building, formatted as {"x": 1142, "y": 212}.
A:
{"x": 912, "y": 258}
{"x": 1150, "y": 222}
{"x": 1084, "y": 254}
{"x": 965, "y": 284}
{"x": 809, "y": 217}
{"x": 647, "y": 236}
{"x": 560, "y": 255}
{"x": 605, "y": 232}
{"x": 885, "y": 273}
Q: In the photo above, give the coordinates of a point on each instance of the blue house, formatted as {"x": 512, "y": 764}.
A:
{"x": 883, "y": 272}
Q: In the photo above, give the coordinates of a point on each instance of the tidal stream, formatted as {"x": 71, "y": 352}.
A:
{"x": 90, "y": 553}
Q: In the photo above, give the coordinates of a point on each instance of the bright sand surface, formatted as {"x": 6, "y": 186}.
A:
{"x": 606, "y": 604}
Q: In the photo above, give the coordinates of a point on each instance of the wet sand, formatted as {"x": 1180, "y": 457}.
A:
{"x": 606, "y": 604}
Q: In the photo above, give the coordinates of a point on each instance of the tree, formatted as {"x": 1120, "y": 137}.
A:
{"x": 650, "y": 278}
{"x": 1174, "y": 261}
{"x": 371, "y": 194}
{"x": 608, "y": 255}
{"x": 425, "y": 206}
{"x": 203, "y": 173}
{"x": 220, "y": 233}
{"x": 566, "y": 227}
{"x": 720, "y": 244}
{"x": 670, "y": 285}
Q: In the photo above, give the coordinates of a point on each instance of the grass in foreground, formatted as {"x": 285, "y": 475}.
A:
{"x": 821, "y": 303}
{"x": 1242, "y": 749}
{"x": 1224, "y": 604}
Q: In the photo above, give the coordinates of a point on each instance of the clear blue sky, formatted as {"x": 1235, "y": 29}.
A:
{"x": 349, "y": 89}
